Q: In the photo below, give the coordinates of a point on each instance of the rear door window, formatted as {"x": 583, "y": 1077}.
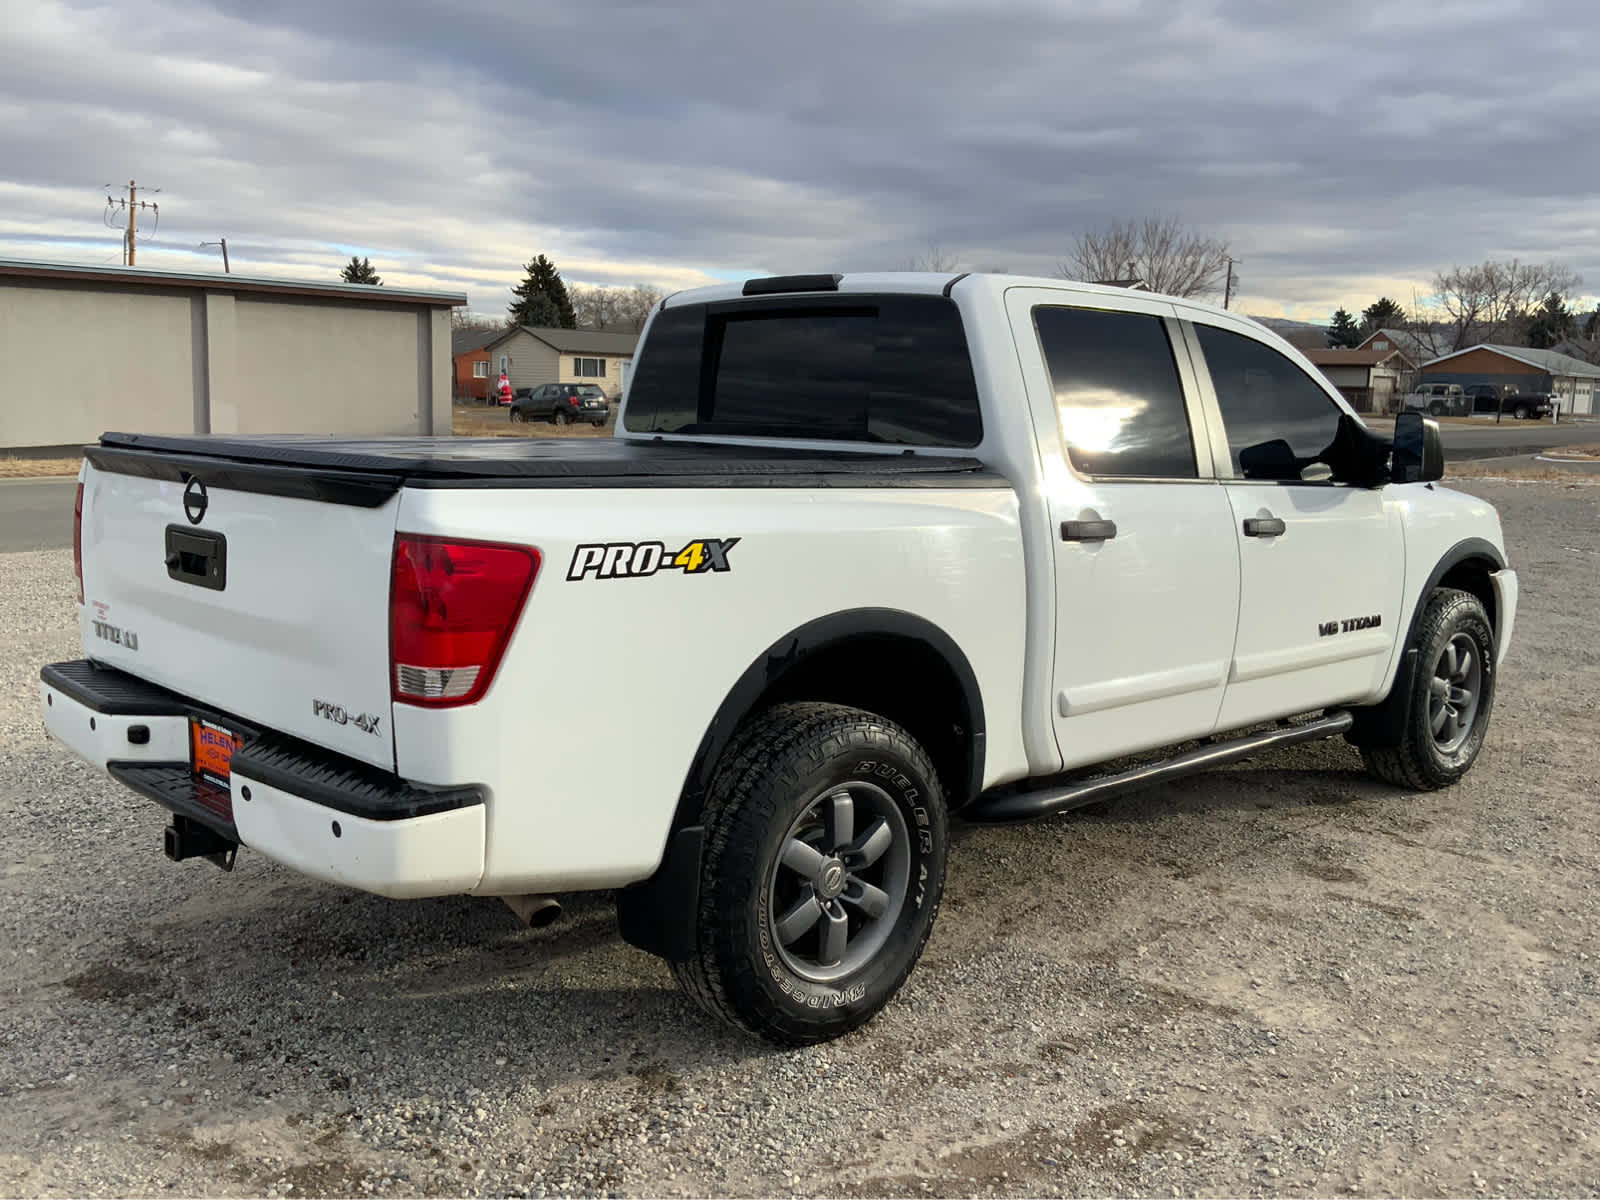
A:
{"x": 1119, "y": 399}
{"x": 892, "y": 369}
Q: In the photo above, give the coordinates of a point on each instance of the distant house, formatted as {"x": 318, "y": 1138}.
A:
{"x": 470, "y": 353}
{"x": 532, "y": 355}
{"x": 1571, "y": 380}
{"x": 1395, "y": 339}
{"x": 1133, "y": 283}
{"x": 1372, "y": 380}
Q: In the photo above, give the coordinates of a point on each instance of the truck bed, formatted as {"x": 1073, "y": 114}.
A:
{"x": 367, "y": 470}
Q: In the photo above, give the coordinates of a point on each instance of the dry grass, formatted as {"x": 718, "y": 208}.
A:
{"x": 1589, "y": 451}
{"x": 481, "y": 421}
{"x": 1548, "y": 471}
{"x": 33, "y": 468}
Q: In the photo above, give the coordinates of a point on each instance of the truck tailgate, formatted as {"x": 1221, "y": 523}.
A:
{"x": 272, "y": 607}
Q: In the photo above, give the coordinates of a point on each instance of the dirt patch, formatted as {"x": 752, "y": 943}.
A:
{"x": 110, "y": 982}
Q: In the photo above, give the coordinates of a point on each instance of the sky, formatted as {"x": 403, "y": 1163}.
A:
{"x": 1344, "y": 150}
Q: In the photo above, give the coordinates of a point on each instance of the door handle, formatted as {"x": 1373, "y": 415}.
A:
{"x": 1088, "y": 531}
{"x": 1263, "y": 526}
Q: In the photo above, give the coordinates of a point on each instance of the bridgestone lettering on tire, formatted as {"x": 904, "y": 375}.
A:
{"x": 826, "y": 842}
{"x": 1452, "y": 695}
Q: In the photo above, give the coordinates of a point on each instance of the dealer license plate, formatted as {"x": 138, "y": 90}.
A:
{"x": 212, "y": 750}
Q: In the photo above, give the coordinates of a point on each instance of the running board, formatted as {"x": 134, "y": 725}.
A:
{"x": 1023, "y": 806}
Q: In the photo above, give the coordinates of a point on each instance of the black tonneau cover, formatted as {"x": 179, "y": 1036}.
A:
{"x": 366, "y": 471}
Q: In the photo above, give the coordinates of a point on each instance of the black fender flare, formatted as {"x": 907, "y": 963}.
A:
{"x": 1382, "y": 724}
{"x": 658, "y": 914}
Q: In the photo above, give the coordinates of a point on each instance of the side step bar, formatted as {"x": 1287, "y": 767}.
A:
{"x": 1025, "y": 805}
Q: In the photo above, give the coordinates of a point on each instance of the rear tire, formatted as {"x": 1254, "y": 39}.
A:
{"x": 1452, "y": 696}
{"x": 560, "y": 418}
{"x": 826, "y": 844}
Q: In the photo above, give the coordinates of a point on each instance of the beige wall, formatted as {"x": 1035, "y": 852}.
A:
{"x": 611, "y": 381}
{"x": 74, "y": 364}
{"x": 532, "y": 361}
{"x": 80, "y": 358}
{"x": 352, "y": 371}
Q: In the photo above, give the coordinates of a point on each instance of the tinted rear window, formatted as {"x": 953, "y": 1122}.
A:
{"x": 891, "y": 369}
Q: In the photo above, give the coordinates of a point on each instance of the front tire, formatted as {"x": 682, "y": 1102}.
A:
{"x": 560, "y": 418}
{"x": 1452, "y": 695}
{"x": 826, "y": 844}
{"x": 1520, "y": 413}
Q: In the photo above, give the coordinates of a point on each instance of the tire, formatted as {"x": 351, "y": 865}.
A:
{"x": 1458, "y": 692}
{"x": 1436, "y": 409}
{"x": 599, "y": 424}
{"x": 560, "y": 418}
{"x": 1520, "y": 412}
{"x": 769, "y": 861}
{"x": 517, "y": 418}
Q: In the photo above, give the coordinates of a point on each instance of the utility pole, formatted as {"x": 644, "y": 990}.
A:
{"x": 1227, "y": 291}
{"x": 132, "y": 205}
{"x": 224, "y": 244}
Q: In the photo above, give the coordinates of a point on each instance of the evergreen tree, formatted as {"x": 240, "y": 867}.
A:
{"x": 1382, "y": 313}
{"x": 541, "y": 298}
{"x": 1343, "y": 332}
{"x": 1550, "y": 322}
{"x": 359, "y": 270}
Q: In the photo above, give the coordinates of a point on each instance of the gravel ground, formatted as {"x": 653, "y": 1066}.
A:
{"x": 1280, "y": 978}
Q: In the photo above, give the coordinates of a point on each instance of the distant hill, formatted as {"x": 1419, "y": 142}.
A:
{"x": 1304, "y": 334}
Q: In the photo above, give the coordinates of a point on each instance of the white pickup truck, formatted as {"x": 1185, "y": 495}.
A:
{"x": 866, "y": 551}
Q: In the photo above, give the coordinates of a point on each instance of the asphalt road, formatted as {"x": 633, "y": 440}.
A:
{"x": 1489, "y": 440}
{"x": 36, "y": 514}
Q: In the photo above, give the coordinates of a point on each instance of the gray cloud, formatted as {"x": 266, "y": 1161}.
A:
{"x": 1342, "y": 149}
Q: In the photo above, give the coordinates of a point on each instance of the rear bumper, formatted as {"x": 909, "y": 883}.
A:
{"x": 315, "y": 812}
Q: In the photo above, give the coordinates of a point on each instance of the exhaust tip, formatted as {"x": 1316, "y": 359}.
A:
{"x": 534, "y": 910}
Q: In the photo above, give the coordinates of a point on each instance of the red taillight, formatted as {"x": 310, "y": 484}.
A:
{"x": 77, "y": 539}
{"x": 452, "y": 607}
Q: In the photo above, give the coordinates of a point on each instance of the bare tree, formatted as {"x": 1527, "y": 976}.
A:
{"x": 935, "y": 259}
{"x": 1493, "y": 301}
{"x": 1159, "y": 250}
{"x": 594, "y": 307}
{"x": 623, "y": 309}
{"x": 634, "y": 305}
{"x": 460, "y": 318}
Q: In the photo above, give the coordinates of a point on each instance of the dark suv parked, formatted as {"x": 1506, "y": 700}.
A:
{"x": 563, "y": 403}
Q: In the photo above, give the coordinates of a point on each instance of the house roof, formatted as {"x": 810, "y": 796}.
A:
{"x": 1135, "y": 284}
{"x": 585, "y": 341}
{"x": 1340, "y": 357}
{"x": 1395, "y": 337}
{"x": 144, "y": 277}
{"x": 464, "y": 340}
{"x": 1547, "y": 361}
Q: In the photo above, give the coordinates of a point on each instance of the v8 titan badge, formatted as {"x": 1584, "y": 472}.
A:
{"x": 639, "y": 560}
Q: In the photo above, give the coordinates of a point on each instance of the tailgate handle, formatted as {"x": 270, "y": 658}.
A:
{"x": 197, "y": 558}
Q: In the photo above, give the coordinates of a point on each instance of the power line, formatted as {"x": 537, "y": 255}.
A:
{"x": 132, "y": 206}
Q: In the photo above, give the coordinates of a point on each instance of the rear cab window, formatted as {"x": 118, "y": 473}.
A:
{"x": 891, "y": 369}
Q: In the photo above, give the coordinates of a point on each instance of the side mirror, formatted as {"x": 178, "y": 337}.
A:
{"x": 1418, "y": 454}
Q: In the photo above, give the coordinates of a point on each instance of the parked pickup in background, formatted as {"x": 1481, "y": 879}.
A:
{"x": 1438, "y": 400}
{"x": 867, "y": 552}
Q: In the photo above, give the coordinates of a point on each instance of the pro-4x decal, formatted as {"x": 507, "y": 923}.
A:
{"x": 638, "y": 560}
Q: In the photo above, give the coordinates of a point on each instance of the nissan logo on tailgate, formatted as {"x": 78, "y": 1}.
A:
{"x": 195, "y": 502}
